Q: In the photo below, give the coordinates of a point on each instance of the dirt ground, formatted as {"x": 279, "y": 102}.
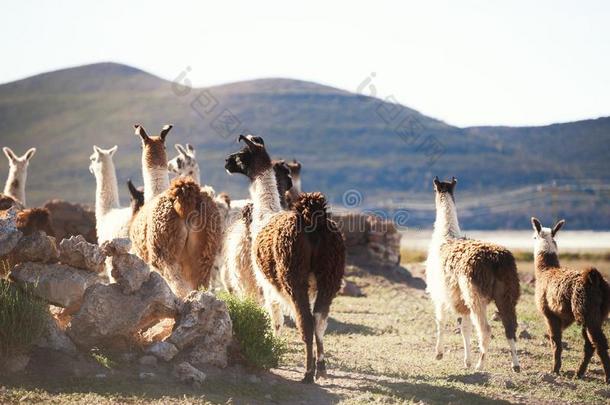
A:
{"x": 379, "y": 350}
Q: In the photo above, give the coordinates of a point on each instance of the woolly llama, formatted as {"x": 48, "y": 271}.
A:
{"x": 296, "y": 255}
{"x": 236, "y": 271}
{"x": 564, "y": 295}
{"x": 17, "y": 174}
{"x": 465, "y": 275}
{"x": 177, "y": 231}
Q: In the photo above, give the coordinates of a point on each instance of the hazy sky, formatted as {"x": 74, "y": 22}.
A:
{"x": 465, "y": 62}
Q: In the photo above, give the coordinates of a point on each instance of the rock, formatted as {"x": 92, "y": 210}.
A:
{"x": 129, "y": 271}
{"x": 204, "y": 328}
{"x": 9, "y": 234}
{"x": 188, "y": 374}
{"x": 163, "y": 350}
{"x": 116, "y": 247}
{"x": 159, "y": 332}
{"x": 69, "y": 219}
{"x": 109, "y": 318}
{"x": 77, "y": 252}
{"x": 58, "y": 284}
{"x": 509, "y": 384}
{"x": 56, "y": 339}
{"x": 13, "y": 364}
{"x": 147, "y": 376}
{"x": 350, "y": 289}
{"x": 148, "y": 361}
{"x": 36, "y": 247}
{"x": 524, "y": 334}
{"x": 548, "y": 378}
{"x": 496, "y": 317}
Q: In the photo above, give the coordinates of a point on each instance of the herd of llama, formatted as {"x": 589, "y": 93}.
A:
{"x": 281, "y": 248}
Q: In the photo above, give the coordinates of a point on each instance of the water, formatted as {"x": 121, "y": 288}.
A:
{"x": 568, "y": 241}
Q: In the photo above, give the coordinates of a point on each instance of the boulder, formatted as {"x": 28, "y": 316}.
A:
{"x": 163, "y": 350}
{"x": 69, "y": 219}
{"x": 58, "y": 284}
{"x": 115, "y": 247}
{"x": 204, "y": 330}
{"x": 77, "y": 252}
{"x": 350, "y": 289}
{"x": 129, "y": 271}
{"x": 9, "y": 234}
{"x": 109, "y": 318}
{"x": 36, "y": 247}
{"x": 186, "y": 373}
{"x": 55, "y": 338}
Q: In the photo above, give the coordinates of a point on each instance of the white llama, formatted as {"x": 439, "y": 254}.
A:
{"x": 17, "y": 174}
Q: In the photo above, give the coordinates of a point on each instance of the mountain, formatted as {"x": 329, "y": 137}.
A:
{"x": 345, "y": 141}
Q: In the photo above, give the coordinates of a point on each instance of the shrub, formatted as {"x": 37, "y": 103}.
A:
{"x": 253, "y": 331}
{"x": 23, "y": 318}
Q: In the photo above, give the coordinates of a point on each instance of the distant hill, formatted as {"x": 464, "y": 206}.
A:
{"x": 345, "y": 141}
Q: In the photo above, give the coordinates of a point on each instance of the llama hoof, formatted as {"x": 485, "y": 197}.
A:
{"x": 308, "y": 379}
{"x": 321, "y": 370}
{"x": 467, "y": 365}
{"x": 439, "y": 356}
{"x": 517, "y": 369}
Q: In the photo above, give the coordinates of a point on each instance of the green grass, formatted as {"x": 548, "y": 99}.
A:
{"x": 22, "y": 318}
{"x": 253, "y": 331}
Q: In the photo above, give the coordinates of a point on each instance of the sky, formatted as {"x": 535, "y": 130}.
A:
{"x": 464, "y": 62}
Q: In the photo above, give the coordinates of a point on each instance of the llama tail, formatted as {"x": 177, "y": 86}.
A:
{"x": 312, "y": 210}
{"x": 186, "y": 195}
{"x": 137, "y": 197}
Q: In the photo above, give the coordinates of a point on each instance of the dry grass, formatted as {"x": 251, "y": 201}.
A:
{"x": 380, "y": 350}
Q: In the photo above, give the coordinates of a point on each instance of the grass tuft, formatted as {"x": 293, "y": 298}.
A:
{"x": 253, "y": 331}
{"x": 22, "y": 318}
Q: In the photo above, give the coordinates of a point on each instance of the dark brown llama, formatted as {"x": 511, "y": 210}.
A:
{"x": 296, "y": 254}
{"x": 565, "y": 296}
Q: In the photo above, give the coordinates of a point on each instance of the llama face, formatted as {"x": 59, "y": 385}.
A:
{"x": 100, "y": 159}
{"x": 251, "y": 160}
{"x": 185, "y": 163}
{"x": 544, "y": 238}
{"x": 295, "y": 168}
{"x": 154, "y": 154}
{"x": 18, "y": 162}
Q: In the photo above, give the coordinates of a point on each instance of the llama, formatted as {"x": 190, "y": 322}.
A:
{"x": 236, "y": 271}
{"x": 295, "y": 173}
{"x": 154, "y": 162}
{"x": 185, "y": 164}
{"x": 178, "y": 230}
{"x": 29, "y": 220}
{"x": 464, "y": 275}
{"x": 564, "y": 295}
{"x": 136, "y": 195}
{"x": 296, "y": 255}
{"x": 17, "y": 174}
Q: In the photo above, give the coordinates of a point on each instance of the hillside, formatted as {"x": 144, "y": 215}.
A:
{"x": 342, "y": 138}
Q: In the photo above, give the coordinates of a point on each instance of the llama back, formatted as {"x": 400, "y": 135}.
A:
{"x": 483, "y": 263}
{"x": 591, "y": 295}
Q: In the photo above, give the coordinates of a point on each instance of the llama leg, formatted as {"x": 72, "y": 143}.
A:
{"x": 440, "y": 331}
{"x": 587, "y": 354}
{"x": 554, "y": 325}
{"x": 466, "y": 329}
{"x": 479, "y": 319}
{"x": 305, "y": 324}
{"x": 601, "y": 348}
{"x": 508, "y": 314}
{"x": 320, "y": 314}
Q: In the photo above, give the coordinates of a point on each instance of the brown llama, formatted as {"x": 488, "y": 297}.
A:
{"x": 29, "y": 220}
{"x": 177, "y": 230}
{"x": 565, "y": 296}
{"x": 296, "y": 255}
{"x": 465, "y": 275}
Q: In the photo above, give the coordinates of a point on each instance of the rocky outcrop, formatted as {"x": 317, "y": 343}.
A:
{"x": 69, "y": 219}
{"x": 109, "y": 318}
{"x": 186, "y": 373}
{"x": 9, "y": 234}
{"x": 204, "y": 330}
{"x": 55, "y": 338}
{"x": 128, "y": 270}
{"x": 36, "y": 247}
{"x": 77, "y": 252}
{"x": 58, "y": 284}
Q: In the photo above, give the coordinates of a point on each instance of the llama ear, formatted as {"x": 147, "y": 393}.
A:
{"x": 165, "y": 131}
{"x": 190, "y": 149}
{"x": 139, "y": 130}
{"x": 437, "y": 183}
{"x": 28, "y": 155}
{"x": 9, "y": 153}
{"x": 536, "y": 225}
{"x": 557, "y": 227}
{"x": 113, "y": 150}
{"x": 453, "y": 181}
{"x": 180, "y": 149}
{"x": 96, "y": 149}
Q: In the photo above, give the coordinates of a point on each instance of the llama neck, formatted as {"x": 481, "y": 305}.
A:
{"x": 296, "y": 184}
{"x": 265, "y": 196}
{"x": 15, "y": 184}
{"x": 196, "y": 175}
{"x": 107, "y": 190}
{"x": 545, "y": 260}
{"x": 446, "y": 225}
{"x": 156, "y": 180}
